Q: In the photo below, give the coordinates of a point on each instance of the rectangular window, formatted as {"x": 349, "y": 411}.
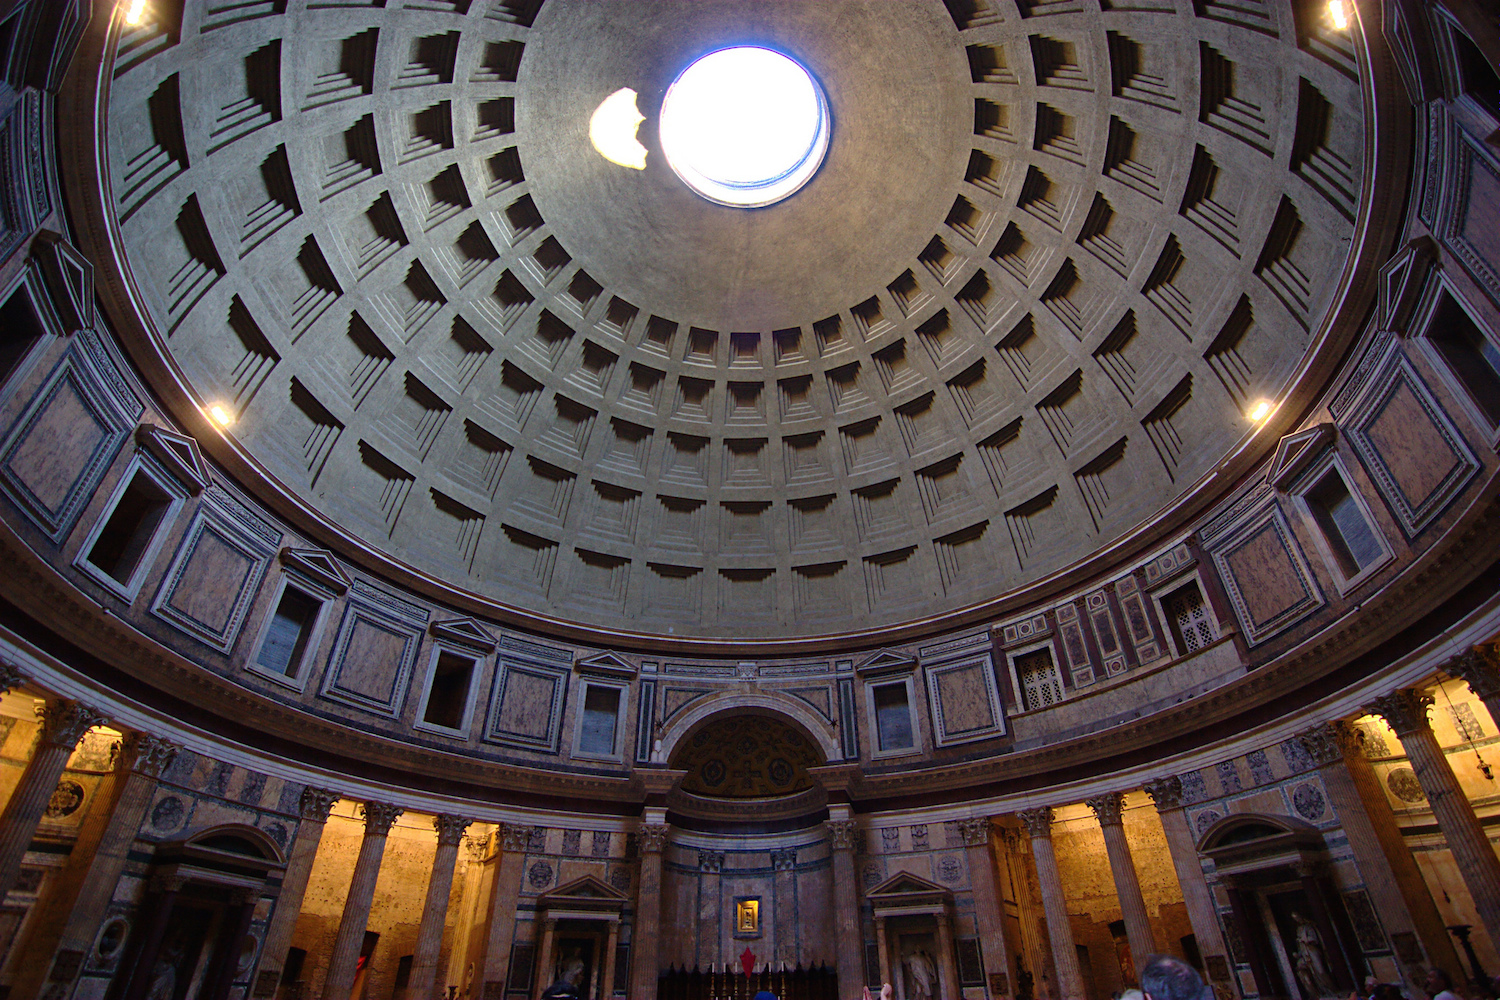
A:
{"x": 125, "y": 537}
{"x": 448, "y": 694}
{"x": 601, "y": 710}
{"x": 1471, "y": 355}
{"x": 1041, "y": 685}
{"x": 1191, "y": 625}
{"x": 288, "y": 632}
{"x": 1343, "y": 524}
{"x": 893, "y": 717}
{"x": 20, "y": 328}
{"x": 1475, "y": 74}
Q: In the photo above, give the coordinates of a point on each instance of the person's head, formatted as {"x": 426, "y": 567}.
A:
{"x": 1370, "y": 983}
{"x": 1438, "y": 980}
{"x": 1386, "y": 991}
{"x": 1168, "y": 978}
{"x": 1132, "y": 994}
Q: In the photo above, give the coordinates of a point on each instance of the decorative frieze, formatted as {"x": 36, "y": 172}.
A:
{"x": 149, "y": 755}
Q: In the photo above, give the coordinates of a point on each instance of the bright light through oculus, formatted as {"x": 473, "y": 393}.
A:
{"x": 134, "y": 11}
{"x": 745, "y": 126}
{"x": 612, "y": 130}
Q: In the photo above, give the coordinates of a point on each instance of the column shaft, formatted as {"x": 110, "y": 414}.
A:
{"x": 1203, "y": 913}
{"x": 1406, "y": 711}
{"x": 850, "y": 942}
{"x": 947, "y": 964}
{"x": 424, "y": 958}
{"x": 315, "y": 805}
{"x": 883, "y": 947}
{"x": 784, "y": 863}
{"x": 1127, "y": 884}
{"x": 1389, "y": 870}
{"x": 346, "y": 944}
{"x": 1054, "y": 903}
{"x": 63, "y": 724}
{"x": 710, "y": 911}
{"x": 544, "y": 958}
{"x": 504, "y": 896}
{"x": 68, "y": 920}
{"x": 987, "y": 910}
{"x": 645, "y": 933}
{"x": 607, "y": 968}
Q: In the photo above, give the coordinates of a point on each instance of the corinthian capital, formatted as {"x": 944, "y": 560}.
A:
{"x": 976, "y": 832}
{"x": 65, "y": 722}
{"x": 317, "y": 803}
{"x": 1480, "y": 669}
{"x": 1165, "y": 792}
{"x": 1038, "y": 821}
{"x": 841, "y": 834}
{"x": 1328, "y": 742}
{"x": 380, "y": 817}
{"x": 149, "y": 755}
{"x": 653, "y": 837}
{"x": 514, "y": 837}
{"x": 1405, "y": 710}
{"x": 450, "y": 829}
{"x": 1107, "y": 807}
{"x": 10, "y": 677}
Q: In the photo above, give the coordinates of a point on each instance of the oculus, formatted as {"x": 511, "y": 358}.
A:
{"x": 745, "y": 126}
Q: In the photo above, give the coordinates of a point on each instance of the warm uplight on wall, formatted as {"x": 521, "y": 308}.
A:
{"x": 1260, "y": 411}
{"x": 613, "y": 127}
{"x": 1338, "y": 15}
{"x": 220, "y": 416}
{"x": 135, "y": 12}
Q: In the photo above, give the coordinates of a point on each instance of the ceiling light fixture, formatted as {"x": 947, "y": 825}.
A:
{"x": 745, "y": 126}
{"x": 613, "y": 127}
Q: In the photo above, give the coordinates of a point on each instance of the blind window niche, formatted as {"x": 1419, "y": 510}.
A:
{"x": 601, "y": 712}
{"x": 20, "y": 329}
{"x": 119, "y": 548}
{"x": 1041, "y": 685}
{"x": 1339, "y": 517}
{"x": 1188, "y": 618}
{"x": 448, "y": 692}
{"x": 288, "y": 633}
{"x": 893, "y": 716}
{"x": 1472, "y": 356}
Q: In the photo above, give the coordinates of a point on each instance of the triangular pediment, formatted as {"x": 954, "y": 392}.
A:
{"x": 1295, "y": 451}
{"x": 464, "y": 632}
{"x": 885, "y": 660}
{"x": 178, "y": 453}
{"x": 1401, "y": 281}
{"x": 318, "y": 566}
{"x": 609, "y": 664}
{"x": 905, "y": 884}
{"x": 72, "y": 277}
{"x": 585, "y": 889}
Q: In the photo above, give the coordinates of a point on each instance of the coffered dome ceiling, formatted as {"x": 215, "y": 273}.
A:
{"x": 1054, "y": 254}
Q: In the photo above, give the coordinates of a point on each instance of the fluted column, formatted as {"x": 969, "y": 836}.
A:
{"x": 314, "y": 807}
{"x": 63, "y": 725}
{"x": 1406, "y": 711}
{"x": 1029, "y": 914}
{"x": 379, "y": 817}
{"x": 1388, "y": 868}
{"x": 505, "y": 894}
{"x": 1480, "y": 669}
{"x": 1038, "y": 824}
{"x": 850, "y": 942}
{"x": 710, "y": 912}
{"x": 424, "y": 957}
{"x": 784, "y": 864}
{"x": 607, "y": 969}
{"x": 544, "y": 961}
{"x": 992, "y": 943}
{"x": 645, "y": 934}
{"x": 1202, "y": 912}
{"x": 1108, "y": 808}
{"x": 68, "y": 919}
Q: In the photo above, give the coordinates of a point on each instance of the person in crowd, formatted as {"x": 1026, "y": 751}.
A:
{"x": 1168, "y": 978}
{"x": 1439, "y": 985}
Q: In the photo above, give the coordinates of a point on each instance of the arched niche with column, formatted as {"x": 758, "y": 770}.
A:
{"x": 1289, "y": 918}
